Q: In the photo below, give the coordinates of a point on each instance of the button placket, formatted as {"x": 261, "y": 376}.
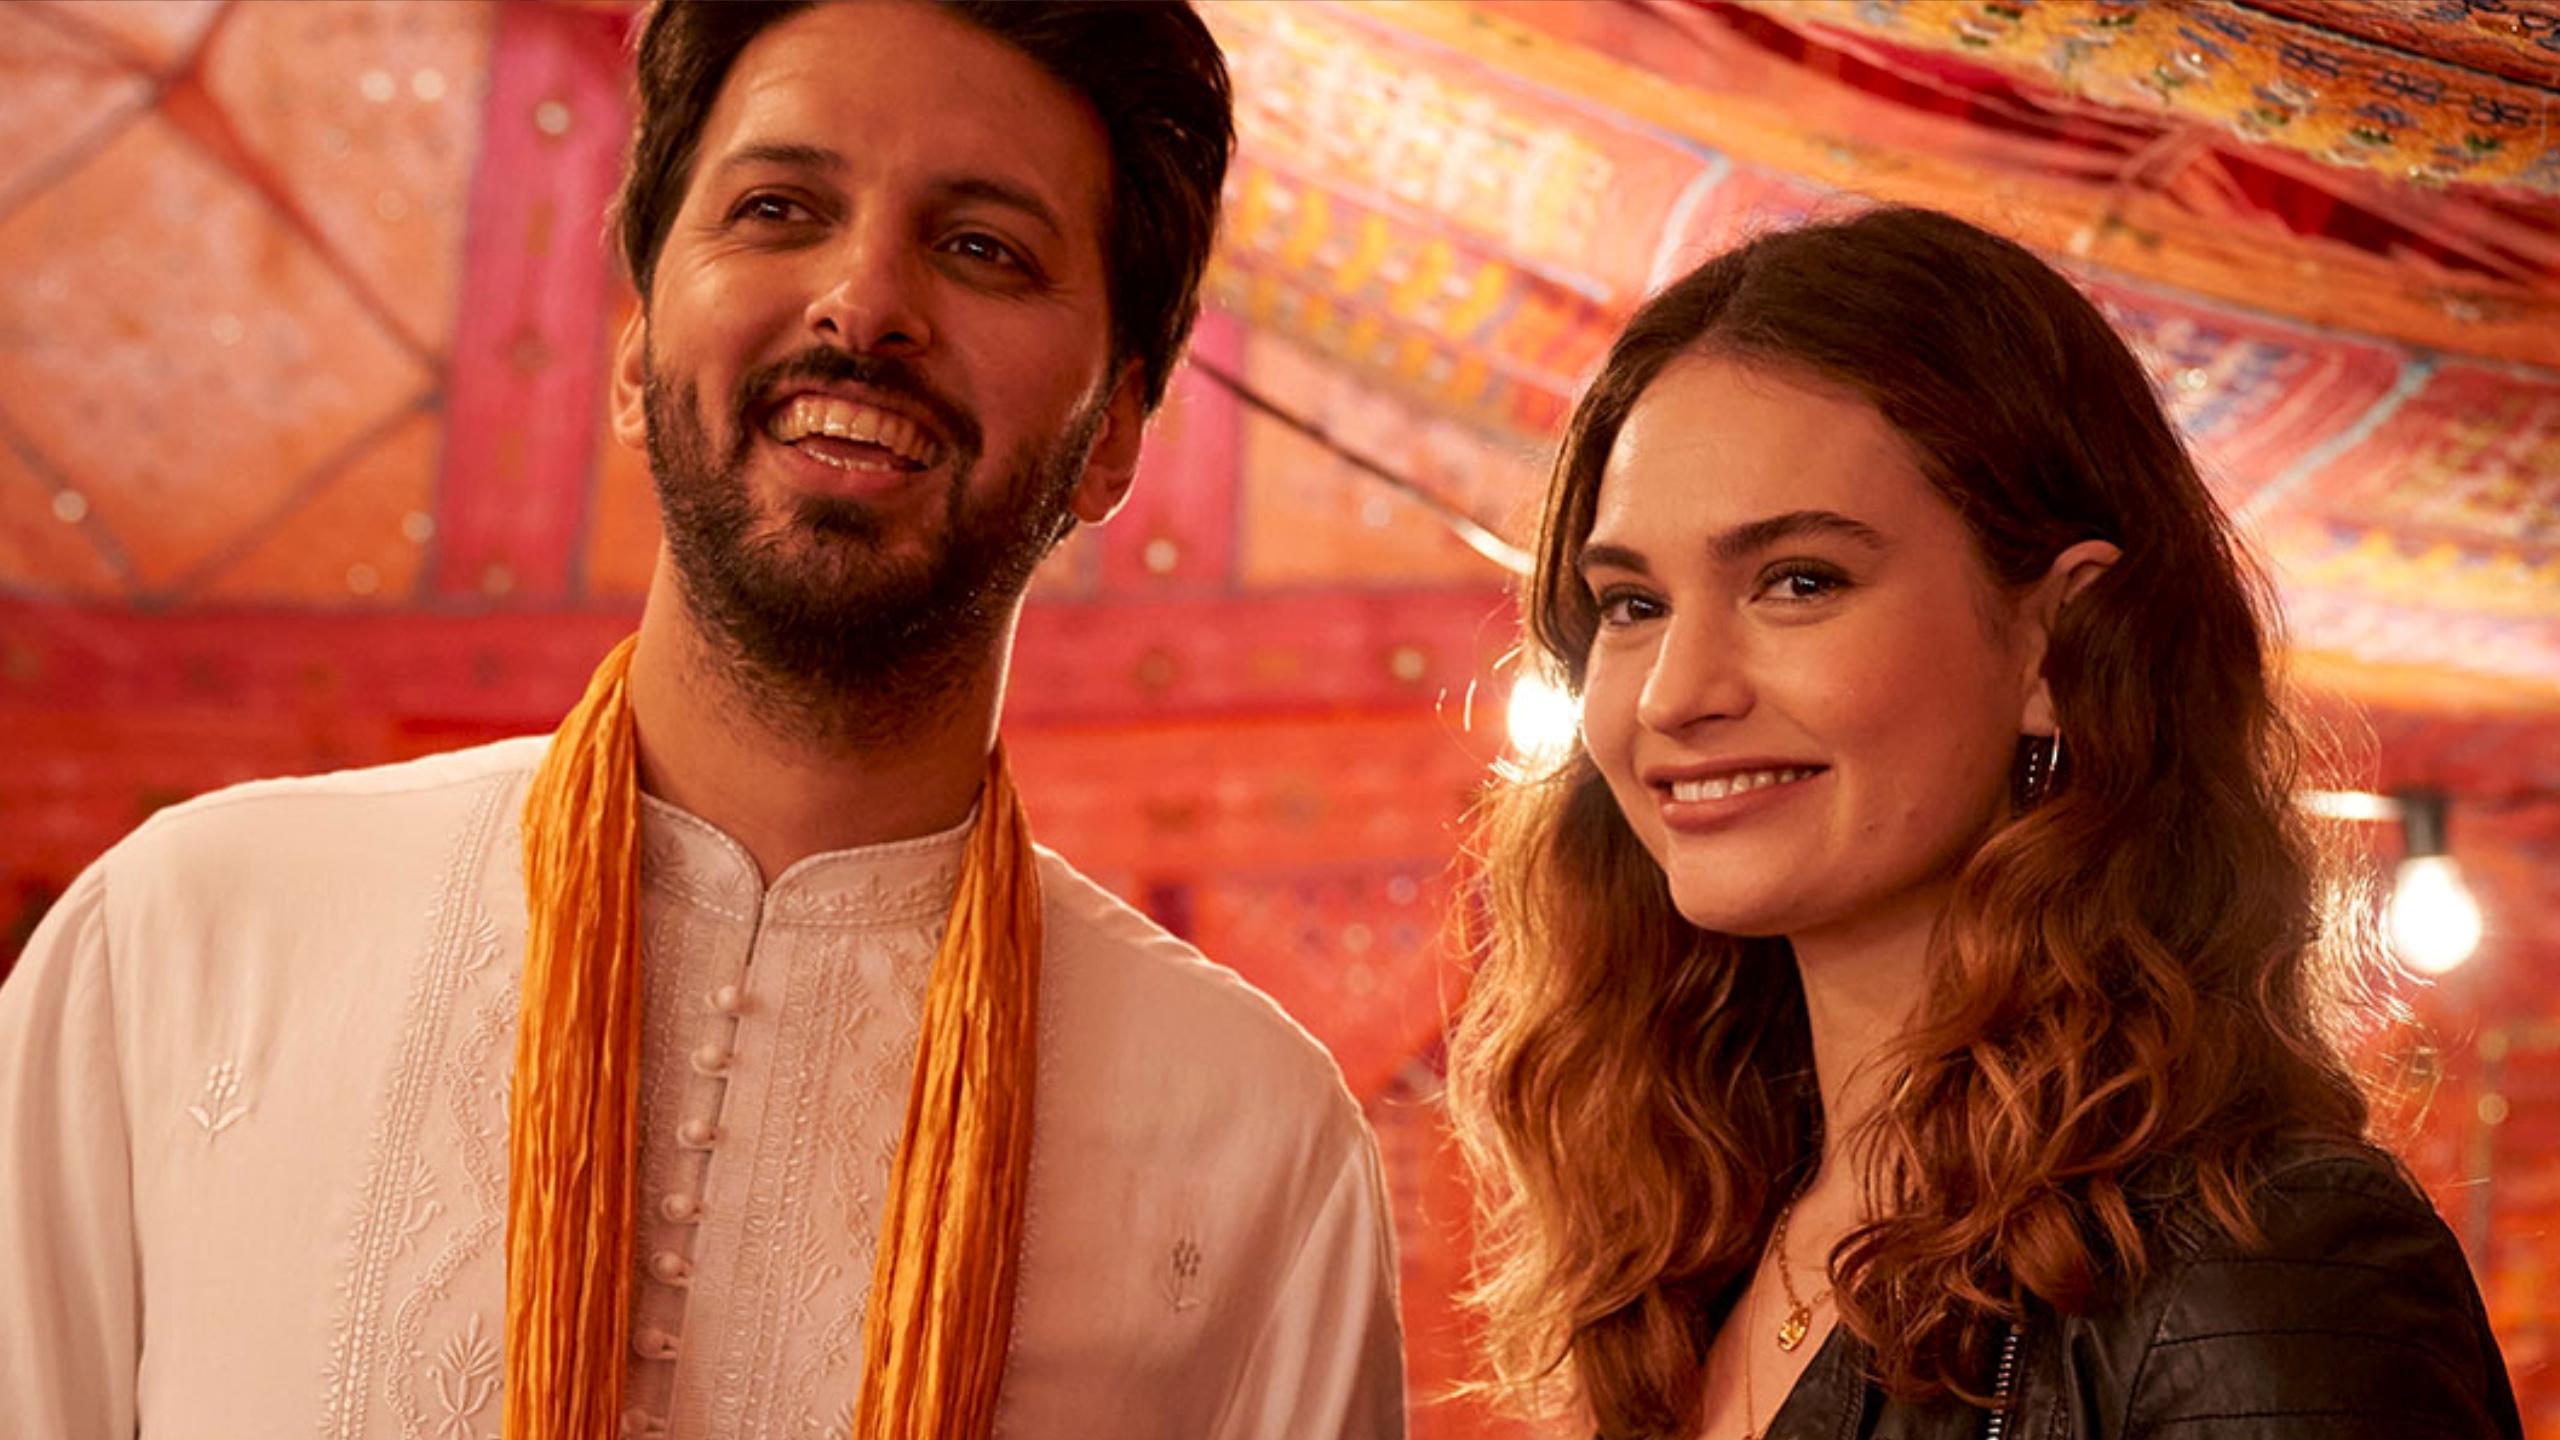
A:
{"x": 701, "y": 1133}
{"x": 711, "y": 1060}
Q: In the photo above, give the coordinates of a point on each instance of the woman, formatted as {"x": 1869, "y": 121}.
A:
{"x": 1921, "y": 949}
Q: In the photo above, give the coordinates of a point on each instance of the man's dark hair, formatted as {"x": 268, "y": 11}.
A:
{"x": 1149, "y": 68}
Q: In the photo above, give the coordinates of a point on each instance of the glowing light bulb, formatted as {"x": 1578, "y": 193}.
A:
{"x": 1543, "y": 720}
{"x": 2434, "y": 922}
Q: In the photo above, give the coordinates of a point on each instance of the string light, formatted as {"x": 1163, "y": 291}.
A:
{"x": 2433, "y": 922}
{"x": 1544, "y": 722}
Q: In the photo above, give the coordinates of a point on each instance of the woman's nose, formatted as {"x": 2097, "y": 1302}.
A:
{"x": 1697, "y": 674}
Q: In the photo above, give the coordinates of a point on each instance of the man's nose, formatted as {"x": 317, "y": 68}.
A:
{"x": 872, "y": 299}
{"x": 1700, "y": 672}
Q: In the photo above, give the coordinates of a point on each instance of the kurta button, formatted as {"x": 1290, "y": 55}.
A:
{"x": 710, "y": 1059}
{"x": 651, "y": 1343}
{"x": 681, "y": 1208}
{"x": 699, "y": 1134}
{"x": 669, "y": 1266}
{"x": 729, "y": 1000}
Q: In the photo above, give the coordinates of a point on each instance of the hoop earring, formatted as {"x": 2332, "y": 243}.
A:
{"x": 2039, "y": 764}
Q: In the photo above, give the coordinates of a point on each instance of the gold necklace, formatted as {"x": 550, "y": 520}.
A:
{"x": 1799, "y": 1321}
{"x": 1750, "y": 1402}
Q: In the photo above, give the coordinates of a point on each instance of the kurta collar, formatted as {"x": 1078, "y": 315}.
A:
{"x": 901, "y": 882}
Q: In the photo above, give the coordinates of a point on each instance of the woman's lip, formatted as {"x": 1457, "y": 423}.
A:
{"x": 1715, "y": 814}
{"x": 1663, "y": 777}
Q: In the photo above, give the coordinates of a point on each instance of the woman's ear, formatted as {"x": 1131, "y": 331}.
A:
{"x": 2070, "y": 573}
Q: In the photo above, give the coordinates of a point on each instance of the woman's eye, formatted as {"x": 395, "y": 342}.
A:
{"x": 1799, "y": 583}
{"x": 1626, "y": 607}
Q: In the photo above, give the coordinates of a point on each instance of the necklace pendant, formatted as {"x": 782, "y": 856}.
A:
{"x": 1795, "y": 1327}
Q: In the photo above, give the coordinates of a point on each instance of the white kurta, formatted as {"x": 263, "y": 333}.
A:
{"x": 253, "y": 1077}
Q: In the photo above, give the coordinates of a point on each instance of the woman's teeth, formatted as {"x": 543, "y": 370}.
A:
{"x": 808, "y": 415}
{"x": 1719, "y": 787}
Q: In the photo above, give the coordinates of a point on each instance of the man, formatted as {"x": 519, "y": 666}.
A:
{"x": 632, "y": 1079}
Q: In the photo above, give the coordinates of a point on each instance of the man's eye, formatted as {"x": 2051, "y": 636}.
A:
{"x": 985, "y": 249}
{"x": 768, "y": 209}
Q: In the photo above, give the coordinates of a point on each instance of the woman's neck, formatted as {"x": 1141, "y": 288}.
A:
{"x": 1864, "y": 982}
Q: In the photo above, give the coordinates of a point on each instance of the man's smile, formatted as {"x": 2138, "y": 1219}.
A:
{"x": 851, "y": 435}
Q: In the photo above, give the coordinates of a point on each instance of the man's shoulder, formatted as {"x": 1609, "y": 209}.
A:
{"x": 1190, "y": 1015}
{"x": 335, "y": 813}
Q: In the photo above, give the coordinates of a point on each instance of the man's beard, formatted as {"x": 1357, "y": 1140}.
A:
{"x": 827, "y": 635}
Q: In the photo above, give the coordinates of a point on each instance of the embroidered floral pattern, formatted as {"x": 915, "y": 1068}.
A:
{"x": 220, "y": 1106}
{"x": 475, "y": 1105}
{"x": 683, "y": 857}
{"x": 1182, "y": 1274}
{"x": 866, "y": 900}
{"x": 412, "y": 1205}
{"x": 784, "y": 1203}
{"x": 465, "y": 1378}
{"x": 396, "y": 1203}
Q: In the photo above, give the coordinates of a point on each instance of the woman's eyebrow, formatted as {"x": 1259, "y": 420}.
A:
{"x": 1604, "y": 556}
{"x": 1743, "y": 541}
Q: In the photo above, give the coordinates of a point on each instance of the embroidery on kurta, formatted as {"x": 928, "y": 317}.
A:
{"x": 396, "y": 1201}
{"x": 669, "y": 865}
{"x": 870, "y": 901}
{"x": 782, "y": 1239}
{"x": 475, "y": 1100}
{"x": 861, "y": 1143}
{"x": 219, "y": 1106}
{"x": 465, "y": 1377}
{"x": 1182, "y": 1274}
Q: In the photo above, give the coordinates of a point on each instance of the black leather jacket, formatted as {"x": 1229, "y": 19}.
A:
{"x": 2358, "y": 1320}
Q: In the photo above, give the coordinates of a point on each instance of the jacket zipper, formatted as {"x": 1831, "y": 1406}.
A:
{"x": 1995, "y": 1426}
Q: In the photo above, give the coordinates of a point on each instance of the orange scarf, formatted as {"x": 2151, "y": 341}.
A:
{"x": 941, "y": 1308}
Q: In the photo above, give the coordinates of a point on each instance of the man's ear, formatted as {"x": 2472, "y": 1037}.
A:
{"x": 1113, "y": 466}
{"x": 2070, "y": 573}
{"x": 630, "y": 380}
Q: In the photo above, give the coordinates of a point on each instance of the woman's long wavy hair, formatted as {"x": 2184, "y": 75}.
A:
{"x": 2130, "y": 997}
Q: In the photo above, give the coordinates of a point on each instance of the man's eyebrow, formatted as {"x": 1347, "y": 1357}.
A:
{"x": 1010, "y": 196}
{"x": 790, "y": 156}
{"x": 982, "y": 188}
{"x": 1743, "y": 541}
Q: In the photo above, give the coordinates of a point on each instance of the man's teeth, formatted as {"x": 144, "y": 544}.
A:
{"x": 1719, "y": 787}
{"x": 826, "y": 415}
